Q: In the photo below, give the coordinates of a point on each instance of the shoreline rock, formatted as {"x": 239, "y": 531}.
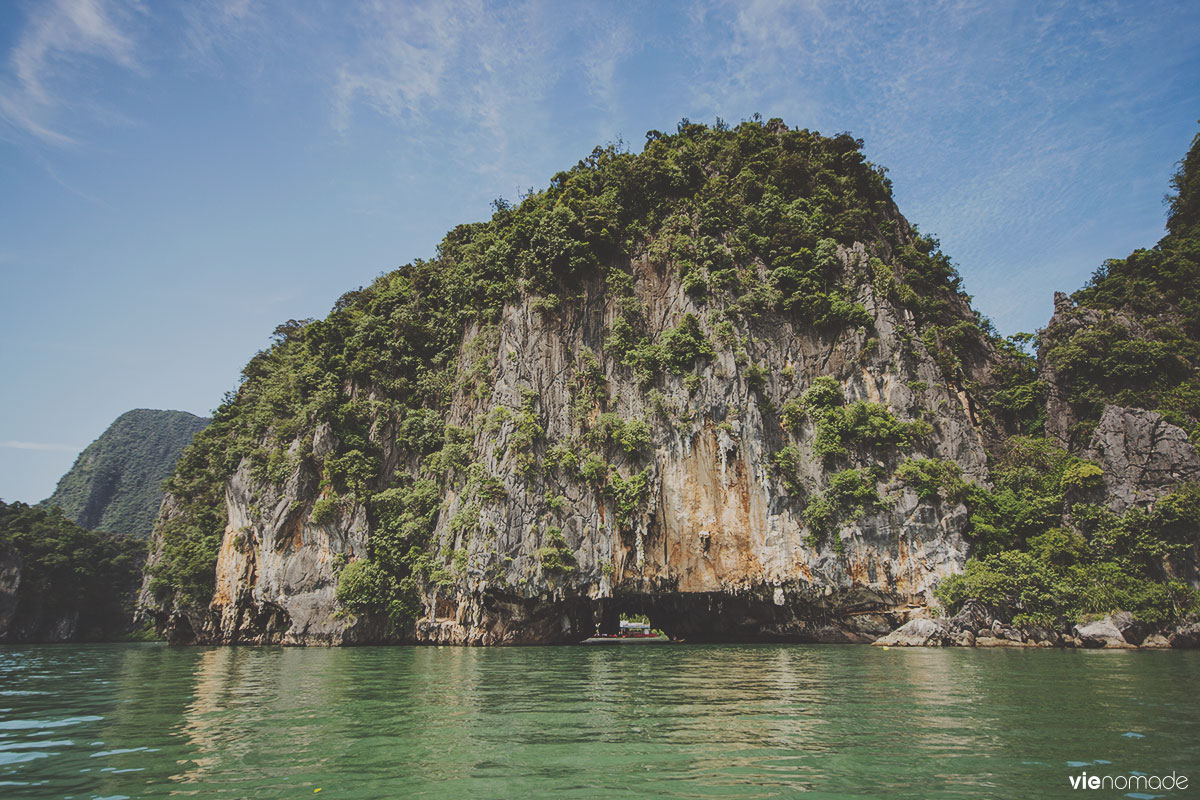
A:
{"x": 1117, "y": 631}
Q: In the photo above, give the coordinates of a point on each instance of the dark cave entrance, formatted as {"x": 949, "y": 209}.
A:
{"x": 604, "y": 616}
{"x": 694, "y": 617}
{"x": 704, "y": 617}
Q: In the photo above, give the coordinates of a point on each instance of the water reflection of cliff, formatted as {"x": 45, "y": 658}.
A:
{"x": 259, "y": 713}
{"x": 744, "y": 721}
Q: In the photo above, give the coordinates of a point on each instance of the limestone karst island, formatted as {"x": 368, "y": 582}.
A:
{"x": 722, "y": 383}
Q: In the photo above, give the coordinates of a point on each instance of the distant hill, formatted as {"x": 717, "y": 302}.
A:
{"x": 116, "y": 483}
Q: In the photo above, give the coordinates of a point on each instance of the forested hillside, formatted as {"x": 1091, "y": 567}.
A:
{"x": 61, "y": 582}
{"x": 116, "y": 483}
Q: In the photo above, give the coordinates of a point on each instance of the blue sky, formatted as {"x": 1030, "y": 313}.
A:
{"x": 177, "y": 179}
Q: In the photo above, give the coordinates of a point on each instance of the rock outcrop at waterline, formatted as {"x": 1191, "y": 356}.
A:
{"x": 977, "y": 626}
{"x": 722, "y": 382}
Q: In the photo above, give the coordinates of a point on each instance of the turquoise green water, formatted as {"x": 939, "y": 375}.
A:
{"x": 669, "y": 721}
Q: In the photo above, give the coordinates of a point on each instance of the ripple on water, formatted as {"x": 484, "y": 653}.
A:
{"x": 30, "y": 745}
{"x": 729, "y": 721}
{"x": 123, "y": 750}
{"x": 42, "y": 724}
{"x": 20, "y": 758}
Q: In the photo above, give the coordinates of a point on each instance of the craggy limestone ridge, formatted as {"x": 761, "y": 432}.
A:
{"x": 716, "y": 522}
{"x": 709, "y": 382}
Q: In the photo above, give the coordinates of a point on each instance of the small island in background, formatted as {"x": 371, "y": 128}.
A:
{"x": 70, "y": 567}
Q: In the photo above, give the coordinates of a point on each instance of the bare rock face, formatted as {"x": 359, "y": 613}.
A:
{"x": 275, "y": 575}
{"x": 919, "y": 633}
{"x": 718, "y": 550}
{"x": 1101, "y": 633}
{"x": 11, "y": 567}
{"x": 1143, "y": 456}
{"x": 974, "y": 616}
{"x": 1038, "y": 636}
{"x": 1186, "y": 634}
{"x": 1132, "y": 629}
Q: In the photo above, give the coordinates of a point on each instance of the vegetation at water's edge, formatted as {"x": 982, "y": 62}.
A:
{"x": 1045, "y": 556}
{"x": 67, "y": 575}
{"x": 1045, "y": 550}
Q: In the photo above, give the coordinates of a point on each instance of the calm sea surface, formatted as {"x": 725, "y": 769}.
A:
{"x": 147, "y": 720}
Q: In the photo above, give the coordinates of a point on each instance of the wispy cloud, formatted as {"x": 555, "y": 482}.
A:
{"x": 405, "y": 57}
{"x": 213, "y": 25}
{"x": 612, "y": 44}
{"x": 472, "y": 79}
{"x": 58, "y": 38}
{"x": 54, "y": 173}
{"x": 43, "y": 446}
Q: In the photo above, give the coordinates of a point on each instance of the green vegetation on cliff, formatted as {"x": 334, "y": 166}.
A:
{"x": 116, "y": 483}
{"x": 62, "y": 581}
{"x": 1133, "y": 338}
{"x": 1045, "y": 549}
{"x": 756, "y": 223}
{"x": 1045, "y": 556}
{"x": 841, "y": 427}
{"x": 751, "y": 216}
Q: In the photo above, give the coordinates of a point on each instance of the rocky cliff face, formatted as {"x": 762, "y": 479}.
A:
{"x": 11, "y": 565}
{"x": 719, "y": 548}
{"x": 1143, "y": 457}
{"x": 719, "y": 541}
{"x": 734, "y": 401}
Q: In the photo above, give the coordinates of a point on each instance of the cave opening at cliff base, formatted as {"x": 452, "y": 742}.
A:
{"x": 699, "y": 617}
